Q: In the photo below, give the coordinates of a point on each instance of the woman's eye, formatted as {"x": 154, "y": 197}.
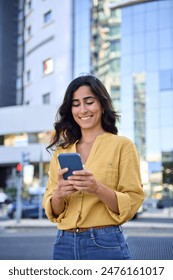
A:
{"x": 90, "y": 103}
{"x": 75, "y": 104}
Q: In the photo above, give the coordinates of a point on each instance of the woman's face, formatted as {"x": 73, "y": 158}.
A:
{"x": 86, "y": 109}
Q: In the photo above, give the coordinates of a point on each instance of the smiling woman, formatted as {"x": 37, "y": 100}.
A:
{"x": 91, "y": 204}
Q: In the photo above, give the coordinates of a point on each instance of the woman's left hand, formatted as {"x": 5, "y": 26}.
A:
{"x": 83, "y": 180}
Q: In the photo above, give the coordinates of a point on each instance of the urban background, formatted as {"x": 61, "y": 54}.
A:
{"x": 44, "y": 44}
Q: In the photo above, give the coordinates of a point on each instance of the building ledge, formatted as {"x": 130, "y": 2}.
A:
{"x": 29, "y": 119}
{"x": 12, "y": 155}
{"x": 124, "y": 3}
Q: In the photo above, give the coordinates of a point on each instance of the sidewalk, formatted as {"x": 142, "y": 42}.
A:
{"x": 26, "y": 223}
{"x": 153, "y": 218}
{"x": 165, "y": 215}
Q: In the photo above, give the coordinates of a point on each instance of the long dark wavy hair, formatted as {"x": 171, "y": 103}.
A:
{"x": 67, "y": 131}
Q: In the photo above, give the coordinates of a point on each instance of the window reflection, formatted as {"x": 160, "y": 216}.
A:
{"x": 165, "y": 17}
{"x": 152, "y": 61}
{"x": 166, "y": 79}
{"x": 140, "y": 113}
{"x": 152, "y": 20}
{"x": 152, "y": 40}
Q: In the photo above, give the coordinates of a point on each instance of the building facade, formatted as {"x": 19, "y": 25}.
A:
{"x": 132, "y": 53}
{"x": 41, "y": 71}
{"x": 52, "y": 44}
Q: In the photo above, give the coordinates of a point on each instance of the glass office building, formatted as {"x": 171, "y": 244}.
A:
{"x": 138, "y": 41}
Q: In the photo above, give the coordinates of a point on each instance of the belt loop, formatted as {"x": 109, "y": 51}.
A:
{"x": 60, "y": 232}
{"x": 92, "y": 233}
{"x": 121, "y": 229}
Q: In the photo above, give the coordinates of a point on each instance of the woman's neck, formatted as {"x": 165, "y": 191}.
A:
{"x": 89, "y": 137}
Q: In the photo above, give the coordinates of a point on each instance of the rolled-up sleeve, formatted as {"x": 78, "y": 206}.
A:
{"x": 129, "y": 191}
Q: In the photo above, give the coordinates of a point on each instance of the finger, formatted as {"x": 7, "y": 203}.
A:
{"x": 67, "y": 188}
{"x": 78, "y": 183}
{"x": 83, "y": 172}
{"x": 88, "y": 179}
{"x": 62, "y": 171}
{"x": 78, "y": 180}
{"x": 71, "y": 179}
{"x": 65, "y": 185}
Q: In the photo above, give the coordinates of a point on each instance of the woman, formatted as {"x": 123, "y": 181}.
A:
{"x": 90, "y": 205}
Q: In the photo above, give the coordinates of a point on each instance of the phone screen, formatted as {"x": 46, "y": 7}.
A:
{"x": 72, "y": 161}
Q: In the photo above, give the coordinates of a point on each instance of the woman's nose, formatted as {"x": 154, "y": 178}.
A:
{"x": 83, "y": 108}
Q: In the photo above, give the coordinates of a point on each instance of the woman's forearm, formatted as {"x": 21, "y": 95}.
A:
{"x": 57, "y": 205}
{"x": 108, "y": 197}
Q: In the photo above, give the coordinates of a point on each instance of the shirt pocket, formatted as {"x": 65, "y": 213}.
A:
{"x": 111, "y": 177}
{"x": 107, "y": 175}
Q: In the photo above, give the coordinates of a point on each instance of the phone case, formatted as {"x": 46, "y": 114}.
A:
{"x": 70, "y": 160}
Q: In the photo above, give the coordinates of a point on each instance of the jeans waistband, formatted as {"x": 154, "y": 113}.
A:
{"x": 91, "y": 231}
{"x": 79, "y": 230}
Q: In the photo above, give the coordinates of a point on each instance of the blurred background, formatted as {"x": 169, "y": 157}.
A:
{"x": 44, "y": 44}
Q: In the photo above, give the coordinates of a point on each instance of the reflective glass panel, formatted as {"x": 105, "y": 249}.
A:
{"x": 164, "y": 18}
{"x": 165, "y": 38}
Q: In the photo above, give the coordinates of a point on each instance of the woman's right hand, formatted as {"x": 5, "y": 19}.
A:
{"x": 64, "y": 188}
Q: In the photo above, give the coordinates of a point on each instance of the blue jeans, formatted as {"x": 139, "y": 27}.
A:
{"x": 93, "y": 244}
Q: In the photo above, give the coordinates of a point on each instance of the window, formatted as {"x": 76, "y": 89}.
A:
{"x": 29, "y": 4}
{"x": 115, "y": 65}
{"x": 115, "y": 92}
{"x": 139, "y": 103}
{"x": 19, "y": 67}
{"x": 18, "y": 83}
{"x": 116, "y": 13}
{"x": 47, "y": 17}
{"x": 20, "y": 40}
{"x": 114, "y": 30}
{"x": 20, "y": 4}
{"x": 28, "y": 76}
{"x": 166, "y": 79}
{"x": 29, "y": 31}
{"x": 20, "y": 15}
{"x": 46, "y": 98}
{"x": 115, "y": 46}
{"x": 20, "y": 27}
{"x": 115, "y": 95}
{"x": 47, "y": 66}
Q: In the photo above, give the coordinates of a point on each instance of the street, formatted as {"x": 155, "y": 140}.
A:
{"x": 149, "y": 238}
{"x": 154, "y": 244}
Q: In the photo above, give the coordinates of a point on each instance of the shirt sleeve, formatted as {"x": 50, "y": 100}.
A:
{"x": 50, "y": 188}
{"x": 129, "y": 191}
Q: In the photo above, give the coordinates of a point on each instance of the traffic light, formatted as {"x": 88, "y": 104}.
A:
{"x": 19, "y": 169}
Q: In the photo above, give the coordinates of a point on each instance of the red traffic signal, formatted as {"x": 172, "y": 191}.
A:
{"x": 19, "y": 167}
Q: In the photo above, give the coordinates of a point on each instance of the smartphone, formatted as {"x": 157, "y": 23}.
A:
{"x": 72, "y": 161}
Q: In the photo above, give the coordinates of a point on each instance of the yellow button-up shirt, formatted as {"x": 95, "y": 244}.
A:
{"x": 114, "y": 161}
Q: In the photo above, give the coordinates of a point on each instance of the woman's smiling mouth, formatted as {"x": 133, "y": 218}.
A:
{"x": 85, "y": 118}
